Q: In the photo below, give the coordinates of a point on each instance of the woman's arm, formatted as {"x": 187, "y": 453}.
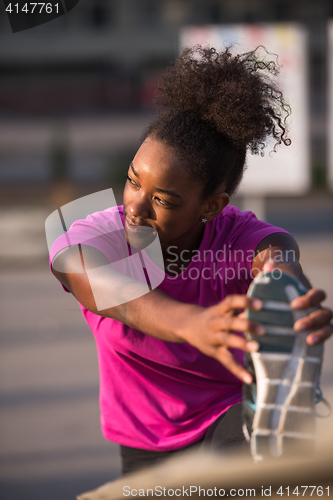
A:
{"x": 280, "y": 250}
{"x": 156, "y": 314}
{"x": 208, "y": 329}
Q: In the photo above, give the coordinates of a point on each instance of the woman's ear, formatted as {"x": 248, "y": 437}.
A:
{"x": 215, "y": 204}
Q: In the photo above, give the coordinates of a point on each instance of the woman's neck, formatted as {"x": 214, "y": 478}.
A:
{"x": 177, "y": 254}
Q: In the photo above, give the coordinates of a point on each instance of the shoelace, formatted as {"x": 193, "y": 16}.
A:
{"x": 319, "y": 398}
{"x": 250, "y": 404}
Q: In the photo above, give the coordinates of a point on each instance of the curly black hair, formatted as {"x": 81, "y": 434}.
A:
{"x": 213, "y": 107}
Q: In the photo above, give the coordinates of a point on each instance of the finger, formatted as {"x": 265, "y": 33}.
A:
{"x": 320, "y": 335}
{"x": 234, "y": 312}
{"x": 235, "y": 302}
{"x": 312, "y": 298}
{"x": 316, "y": 319}
{"x": 237, "y": 324}
{"x": 269, "y": 266}
{"x": 225, "y": 339}
{"x": 226, "y": 358}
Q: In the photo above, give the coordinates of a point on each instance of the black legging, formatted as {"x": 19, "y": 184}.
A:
{"x": 225, "y": 435}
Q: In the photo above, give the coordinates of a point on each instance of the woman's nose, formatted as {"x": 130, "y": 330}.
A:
{"x": 140, "y": 206}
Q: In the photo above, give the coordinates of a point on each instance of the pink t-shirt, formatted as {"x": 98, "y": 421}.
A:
{"x": 159, "y": 395}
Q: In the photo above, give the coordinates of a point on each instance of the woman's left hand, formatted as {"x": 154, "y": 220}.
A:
{"x": 318, "y": 320}
{"x": 269, "y": 253}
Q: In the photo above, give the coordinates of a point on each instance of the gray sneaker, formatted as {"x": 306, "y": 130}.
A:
{"x": 278, "y": 407}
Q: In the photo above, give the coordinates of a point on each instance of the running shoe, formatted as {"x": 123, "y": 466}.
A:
{"x": 278, "y": 407}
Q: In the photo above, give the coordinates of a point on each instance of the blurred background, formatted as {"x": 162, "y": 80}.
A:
{"x": 75, "y": 96}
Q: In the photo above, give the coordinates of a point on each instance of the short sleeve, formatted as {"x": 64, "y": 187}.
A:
{"x": 249, "y": 232}
{"x": 101, "y": 230}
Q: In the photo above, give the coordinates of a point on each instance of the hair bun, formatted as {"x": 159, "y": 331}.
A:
{"x": 235, "y": 94}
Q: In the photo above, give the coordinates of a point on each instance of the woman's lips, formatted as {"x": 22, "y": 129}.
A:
{"x": 138, "y": 228}
{"x": 139, "y": 235}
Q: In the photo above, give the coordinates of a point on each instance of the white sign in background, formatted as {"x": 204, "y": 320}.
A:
{"x": 286, "y": 172}
{"x": 330, "y": 104}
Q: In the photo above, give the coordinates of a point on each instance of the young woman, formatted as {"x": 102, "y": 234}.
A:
{"x": 171, "y": 360}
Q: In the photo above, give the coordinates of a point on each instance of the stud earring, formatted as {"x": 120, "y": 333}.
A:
{"x": 204, "y": 220}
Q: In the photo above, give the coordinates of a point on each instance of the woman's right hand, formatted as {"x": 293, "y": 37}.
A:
{"x": 212, "y": 331}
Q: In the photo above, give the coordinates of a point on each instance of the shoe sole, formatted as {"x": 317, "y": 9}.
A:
{"x": 286, "y": 371}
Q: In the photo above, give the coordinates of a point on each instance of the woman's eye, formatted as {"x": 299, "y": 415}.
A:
{"x": 156, "y": 198}
{"x": 163, "y": 202}
{"x": 131, "y": 180}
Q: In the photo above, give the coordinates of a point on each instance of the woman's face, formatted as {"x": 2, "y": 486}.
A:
{"x": 160, "y": 197}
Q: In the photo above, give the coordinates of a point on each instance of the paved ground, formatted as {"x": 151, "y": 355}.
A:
{"x": 51, "y": 443}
